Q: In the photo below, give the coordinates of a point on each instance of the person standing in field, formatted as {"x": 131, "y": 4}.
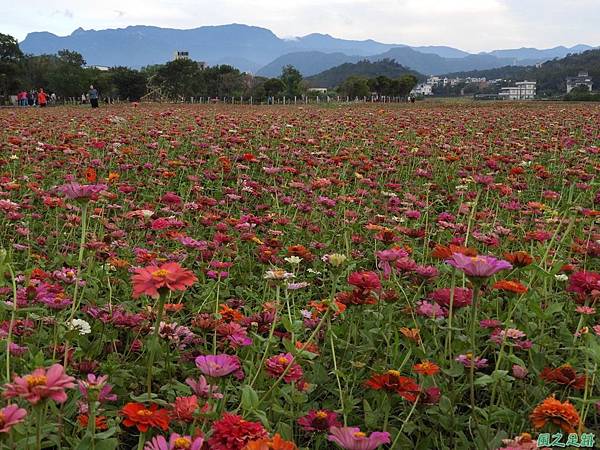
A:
{"x": 42, "y": 98}
{"x": 93, "y": 93}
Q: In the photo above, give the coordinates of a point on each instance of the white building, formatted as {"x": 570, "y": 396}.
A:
{"x": 181, "y": 55}
{"x": 422, "y": 89}
{"x": 318, "y": 90}
{"x": 583, "y": 79}
{"x": 523, "y": 90}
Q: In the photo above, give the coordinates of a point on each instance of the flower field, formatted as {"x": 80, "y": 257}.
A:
{"x": 337, "y": 277}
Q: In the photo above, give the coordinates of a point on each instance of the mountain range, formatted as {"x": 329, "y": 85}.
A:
{"x": 260, "y": 51}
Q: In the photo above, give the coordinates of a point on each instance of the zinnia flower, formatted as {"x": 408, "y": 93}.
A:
{"x": 149, "y": 280}
{"x": 564, "y": 375}
{"x": 365, "y": 281}
{"x": 76, "y": 191}
{"x": 321, "y": 420}
{"x": 139, "y": 416}
{"x": 478, "y": 266}
{"x": 392, "y": 381}
{"x": 351, "y": 438}
{"x": 176, "y": 442}
{"x": 277, "y": 443}
{"x": 462, "y": 297}
{"x": 11, "y": 415}
{"x": 426, "y": 368}
{"x": 41, "y": 384}
{"x": 284, "y": 362}
{"x": 232, "y": 432}
{"x": 563, "y": 415}
{"x": 217, "y": 366}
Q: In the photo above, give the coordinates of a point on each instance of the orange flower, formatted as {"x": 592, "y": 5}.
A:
{"x": 277, "y": 443}
{"x": 411, "y": 333}
{"x": 510, "y": 286}
{"x": 169, "y": 276}
{"x": 100, "y": 421}
{"x": 136, "y": 414}
{"x": 563, "y": 415}
{"x": 113, "y": 176}
{"x": 229, "y": 314}
{"x": 173, "y": 307}
{"x": 445, "y": 252}
{"x": 90, "y": 175}
{"x": 426, "y": 368}
{"x": 518, "y": 259}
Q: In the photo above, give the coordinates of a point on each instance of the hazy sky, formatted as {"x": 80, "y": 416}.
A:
{"x": 472, "y": 25}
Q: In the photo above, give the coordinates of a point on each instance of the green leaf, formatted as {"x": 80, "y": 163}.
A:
{"x": 249, "y": 398}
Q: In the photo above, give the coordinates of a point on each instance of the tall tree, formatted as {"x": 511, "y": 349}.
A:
{"x": 10, "y": 56}
{"x": 128, "y": 84}
{"x": 292, "y": 80}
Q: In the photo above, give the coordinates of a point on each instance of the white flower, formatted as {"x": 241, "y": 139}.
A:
{"x": 561, "y": 277}
{"x": 293, "y": 259}
{"x": 278, "y": 274}
{"x": 13, "y": 157}
{"x": 313, "y": 271}
{"x": 80, "y": 326}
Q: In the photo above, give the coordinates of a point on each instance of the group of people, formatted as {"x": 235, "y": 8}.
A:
{"x": 33, "y": 98}
{"x": 41, "y": 98}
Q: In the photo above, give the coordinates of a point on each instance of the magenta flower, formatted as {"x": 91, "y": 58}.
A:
{"x": 176, "y": 442}
{"x": 351, "y": 438}
{"x": 319, "y": 420}
{"x": 76, "y": 191}
{"x": 478, "y": 266}
{"x": 217, "y": 366}
{"x": 462, "y": 297}
{"x": 99, "y": 384}
{"x": 465, "y": 360}
{"x": 203, "y": 389}
{"x": 385, "y": 257}
{"x": 41, "y": 384}
{"x": 11, "y": 415}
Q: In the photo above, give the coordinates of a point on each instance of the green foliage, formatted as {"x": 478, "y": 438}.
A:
{"x": 10, "y": 56}
{"x": 367, "y": 69}
{"x": 292, "y": 81}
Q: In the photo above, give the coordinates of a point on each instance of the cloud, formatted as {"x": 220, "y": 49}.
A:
{"x": 473, "y": 25}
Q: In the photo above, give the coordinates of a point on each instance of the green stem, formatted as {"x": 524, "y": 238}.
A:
{"x": 476, "y": 289}
{"x": 154, "y": 343}
{"x": 12, "y": 321}
{"x": 335, "y": 371}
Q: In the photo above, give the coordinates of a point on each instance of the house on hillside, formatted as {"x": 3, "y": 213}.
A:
{"x": 522, "y": 90}
{"x": 582, "y": 79}
{"x": 181, "y": 55}
{"x": 422, "y": 89}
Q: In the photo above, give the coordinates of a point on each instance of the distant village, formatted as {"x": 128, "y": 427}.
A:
{"x": 521, "y": 90}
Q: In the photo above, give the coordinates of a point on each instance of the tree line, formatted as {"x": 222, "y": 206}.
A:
{"x": 67, "y": 75}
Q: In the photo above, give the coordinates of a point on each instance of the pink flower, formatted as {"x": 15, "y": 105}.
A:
{"x": 519, "y": 372}
{"x": 462, "y": 297}
{"x": 584, "y": 283}
{"x": 11, "y": 415}
{"x": 176, "y": 442}
{"x": 76, "y": 191}
{"x": 277, "y": 365}
{"x": 149, "y": 280}
{"x": 97, "y": 383}
{"x": 385, "y": 257}
{"x": 217, "y": 366}
{"x": 478, "y": 266}
{"x": 202, "y": 389}
{"x": 465, "y": 360}
{"x": 351, "y": 438}
{"x": 41, "y": 384}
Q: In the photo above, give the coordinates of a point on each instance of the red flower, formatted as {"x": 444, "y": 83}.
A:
{"x": 392, "y": 381}
{"x": 564, "y": 375}
{"x": 365, "y": 281}
{"x": 232, "y": 432}
{"x": 148, "y": 280}
{"x": 585, "y": 284}
{"x": 137, "y": 415}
